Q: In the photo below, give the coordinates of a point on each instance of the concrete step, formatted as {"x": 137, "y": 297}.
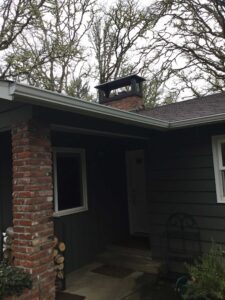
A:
{"x": 134, "y": 262}
{"x": 139, "y": 291}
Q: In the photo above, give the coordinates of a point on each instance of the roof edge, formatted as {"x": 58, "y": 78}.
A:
{"x": 43, "y": 97}
{"x": 13, "y": 91}
{"x": 197, "y": 121}
{"x": 5, "y": 90}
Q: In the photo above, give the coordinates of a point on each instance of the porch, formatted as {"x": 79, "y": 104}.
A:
{"x": 30, "y": 149}
{"x": 136, "y": 277}
{"x": 124, "y": 271}
{"x": 178, "y": 177}
{"x": 109, "y": 216}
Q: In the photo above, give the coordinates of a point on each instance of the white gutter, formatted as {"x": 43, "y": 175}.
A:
{"x": 5, "y": 90}
{"x": 198, "y": 121}
{"x": 37, "y": 96}
{"x": 13, "y": 91}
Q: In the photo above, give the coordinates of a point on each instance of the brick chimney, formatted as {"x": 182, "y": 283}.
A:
{"x": 123, "y": 93}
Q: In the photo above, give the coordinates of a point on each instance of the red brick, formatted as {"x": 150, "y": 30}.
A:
{"x": 33, "y": 206}
{"x": 129, "y": 103}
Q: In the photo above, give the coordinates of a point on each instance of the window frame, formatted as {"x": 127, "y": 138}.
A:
{"x": 217, "y": 141}
{"x": 84, "y": 207}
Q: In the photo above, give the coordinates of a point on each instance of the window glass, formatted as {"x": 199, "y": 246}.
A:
{"x": 223, "y": 153}
{"x": 218, "y": 148}
{"x": 69, "y": 180}
{"x": 223, "y": 182}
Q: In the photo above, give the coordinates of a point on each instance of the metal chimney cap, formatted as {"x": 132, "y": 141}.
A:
{"x": 120, "y": 82}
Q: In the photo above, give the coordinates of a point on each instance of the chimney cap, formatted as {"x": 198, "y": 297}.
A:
{"x": 120, "y": 82}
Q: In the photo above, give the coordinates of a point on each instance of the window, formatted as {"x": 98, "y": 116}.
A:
{"x": 70, "y": 187}
{"x": 218, "y": 144}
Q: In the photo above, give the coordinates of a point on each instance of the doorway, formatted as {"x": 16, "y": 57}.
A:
{"x": 136, "y": 191}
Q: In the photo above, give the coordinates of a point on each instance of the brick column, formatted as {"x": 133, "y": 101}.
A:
{"x": 33, "y": 206}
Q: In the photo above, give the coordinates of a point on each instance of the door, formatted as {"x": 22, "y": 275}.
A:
{"x": 136, "y": 186}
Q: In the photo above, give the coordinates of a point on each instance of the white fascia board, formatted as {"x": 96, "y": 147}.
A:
{"x": 198, "y": 121}
{"x": 5, "y": 90}
{"x": 11, "y": 91}
{"x": 39, "y": 96}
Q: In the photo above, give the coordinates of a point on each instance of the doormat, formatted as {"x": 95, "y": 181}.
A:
{"x": 68, "y": 296}
{"x": 113, "y": 271}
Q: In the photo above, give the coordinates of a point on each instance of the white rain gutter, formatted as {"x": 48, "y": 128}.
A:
{"x": 198, "y": 121}
{"x": 28, "y": 94}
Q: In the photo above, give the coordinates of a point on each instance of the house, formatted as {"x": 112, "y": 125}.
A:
{"x": 94, "y": 174}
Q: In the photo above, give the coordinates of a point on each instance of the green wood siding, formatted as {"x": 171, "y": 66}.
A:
{"x": 106, "y": 220}
{"x": 181, "y": 179}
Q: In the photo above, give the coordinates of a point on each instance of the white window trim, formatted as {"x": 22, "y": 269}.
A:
{"x": 84, "y": 207}
{"x": 218, "y": 166}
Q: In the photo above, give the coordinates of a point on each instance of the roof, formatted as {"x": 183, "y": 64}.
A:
{"x": 189, "y": 109}
{"x": 120, "y": 82}
{"x": 194, "y": 112}
{"x": 23, "y": 93}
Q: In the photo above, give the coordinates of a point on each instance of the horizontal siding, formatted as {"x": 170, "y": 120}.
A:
{"x": 206, "y": 210}
{"x": 195, "y": 197}
{"x": 159, "y": 249}
{"x": 183, "y": 163}
{"x": 181, "y": 180}
{"x": 195, "y": 173}
{"x": 204, "y": 223}
{"x": 207, "y": 235}
{"x": 183, "y": 185}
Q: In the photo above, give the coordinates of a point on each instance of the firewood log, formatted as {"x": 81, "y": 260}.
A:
{"x": 55, "y": 252}
{"x": 5, "y": 247}
{"x": 55, "y": 241}
{"x": 60, "y": 267}
{"x": 60, "y": 275}
{"x": 7, "y": 240}
{"x": 10, "y": 232}
{"x": 7, "y": 253}
{"x": 62, "y": 246}
{"x": 59, "y": 259}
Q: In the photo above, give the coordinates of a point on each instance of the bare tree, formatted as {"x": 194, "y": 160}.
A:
{"x": 48, "y": 54}
{"x": 79, "y": 88}
{"x": 116, "y": 36}
{"x": 188, "y": 44}
{"x": 16, "y": 15}
{"x": 120, "y": 36}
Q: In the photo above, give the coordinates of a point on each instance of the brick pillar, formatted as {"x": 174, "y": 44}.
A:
{"x": 33, "y": 207}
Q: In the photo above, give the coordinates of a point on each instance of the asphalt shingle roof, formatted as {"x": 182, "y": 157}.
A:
{"x": 188, "y": 109}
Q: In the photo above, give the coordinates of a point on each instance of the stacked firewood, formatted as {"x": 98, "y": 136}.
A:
{"x": 7, "y": 245}
{"x": 59, "y": 259}
{"x": 58, "y": 253}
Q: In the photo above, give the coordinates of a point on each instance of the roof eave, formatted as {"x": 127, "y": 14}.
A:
{"x": 37, "y": 96}
{"x": 198, "y": 121}
{"x": 13, "y": 91}
{"x": 6, "y": 90}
